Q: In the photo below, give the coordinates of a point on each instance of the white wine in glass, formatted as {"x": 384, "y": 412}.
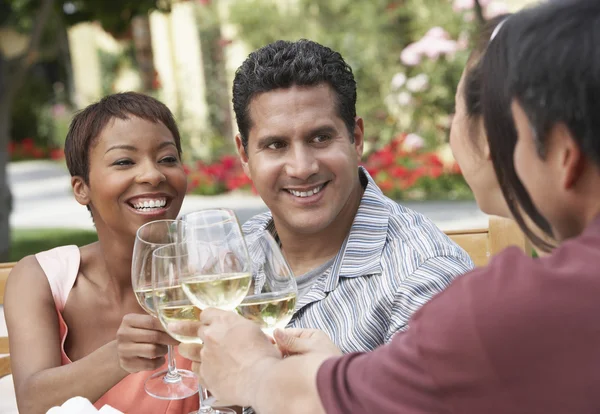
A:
{"x": 219, "y": 256}
{"x": 272, "y": 298}
{"x": 171, "y": 265}
{"x": 172, "y": 383}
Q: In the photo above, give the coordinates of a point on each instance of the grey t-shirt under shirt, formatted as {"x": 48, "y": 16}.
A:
{"x": 306, "y": 280}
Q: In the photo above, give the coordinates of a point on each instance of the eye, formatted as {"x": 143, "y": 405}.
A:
{"x": 320, "y": 139}
{"x": 123, "y": 162}
{"x": 276, "y": 145}
{"x": 170, "y": 159}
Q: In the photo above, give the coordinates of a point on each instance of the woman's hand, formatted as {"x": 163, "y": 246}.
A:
{"x": 142, "y": 343}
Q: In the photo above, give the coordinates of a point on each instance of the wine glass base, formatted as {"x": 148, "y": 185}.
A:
{"x": 159, "y": 387}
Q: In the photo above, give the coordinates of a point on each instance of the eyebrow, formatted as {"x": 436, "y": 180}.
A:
{"x": 322, "y": 130}
{"x": 134, "y": 149}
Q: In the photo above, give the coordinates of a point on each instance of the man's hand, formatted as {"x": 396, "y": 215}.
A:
{"x": 233, "y": 358}
{"x": 142, "y": 343}
{"x": 304, "y": 341}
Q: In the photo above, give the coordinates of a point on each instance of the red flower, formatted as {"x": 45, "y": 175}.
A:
{"x": 57, "y": 154}
{"x": 11, "y": 147}
{"x": 37, "y": 153}
{"x": 27, "y": 144}
{"x": 399, "y": 171}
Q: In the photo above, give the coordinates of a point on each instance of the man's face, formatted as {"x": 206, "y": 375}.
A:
{"x": 301, "y": 157}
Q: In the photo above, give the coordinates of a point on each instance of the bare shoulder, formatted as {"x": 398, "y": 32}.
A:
{"x": 26, "y": 276}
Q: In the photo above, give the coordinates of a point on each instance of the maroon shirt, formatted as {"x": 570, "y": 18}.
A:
{"x": 519, "y": 336}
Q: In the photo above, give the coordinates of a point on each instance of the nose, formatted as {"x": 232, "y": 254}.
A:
{"x": 302, "y": 163}
{"x": 150, "y": 174}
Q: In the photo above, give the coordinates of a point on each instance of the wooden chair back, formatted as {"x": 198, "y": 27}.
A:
{"x": 482, "y": 244}
{"x": 5, "y": 269}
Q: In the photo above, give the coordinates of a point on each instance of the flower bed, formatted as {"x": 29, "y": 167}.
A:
{"x": 402, "y": 169}
{"x": 27, "y": 149}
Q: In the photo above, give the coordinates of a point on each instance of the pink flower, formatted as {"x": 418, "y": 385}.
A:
{"x": 413, "y": 142}
{"x": 437, "y": 33}
{"x": 434, "y": 44}
{"x": 463, "y": 5}
{"x": 495, "y": 8}
{"x": 411, "y": 55}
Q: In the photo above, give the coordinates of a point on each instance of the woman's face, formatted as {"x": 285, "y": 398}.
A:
{"x": 135, "y": 176}
{"x": 471, "y": 151}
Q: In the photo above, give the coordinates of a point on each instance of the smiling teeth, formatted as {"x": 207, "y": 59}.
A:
{"x": 309, "y": 193}
{"x": 150, "y": 204}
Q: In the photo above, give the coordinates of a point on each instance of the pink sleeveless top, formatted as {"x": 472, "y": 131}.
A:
{"x": 61, "y": 266}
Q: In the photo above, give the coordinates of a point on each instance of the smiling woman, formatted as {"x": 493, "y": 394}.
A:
{"x": 75, "y": 326}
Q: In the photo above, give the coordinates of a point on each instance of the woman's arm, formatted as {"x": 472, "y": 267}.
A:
{"x": 35, "y": 347}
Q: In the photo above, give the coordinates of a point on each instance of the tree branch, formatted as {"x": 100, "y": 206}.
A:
{"x": 479, "y": 12}
{"x": 32, "y": 52}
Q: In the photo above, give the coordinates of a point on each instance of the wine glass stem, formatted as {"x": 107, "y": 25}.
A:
{"x": 171, "y": 376}
{"x": 203, "y": 394}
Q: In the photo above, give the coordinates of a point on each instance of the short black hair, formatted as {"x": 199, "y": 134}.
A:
{"x": 283, "y": 64}
{"x": 555, "y": 70}
{"x": 88, "y": 124}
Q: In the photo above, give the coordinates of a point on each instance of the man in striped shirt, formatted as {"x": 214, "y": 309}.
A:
{"x": 364, "y": 264}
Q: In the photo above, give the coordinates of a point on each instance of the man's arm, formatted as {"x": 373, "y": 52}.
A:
{"x": 429, "y": 279}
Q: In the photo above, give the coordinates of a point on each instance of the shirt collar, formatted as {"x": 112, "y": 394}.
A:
{"x": 361, "y": 252}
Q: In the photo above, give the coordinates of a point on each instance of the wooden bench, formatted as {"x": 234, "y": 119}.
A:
{"x": 483, "y": 244}
{"x": 5, "y": 269}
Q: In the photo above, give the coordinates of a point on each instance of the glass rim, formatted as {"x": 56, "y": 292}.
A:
{"x": 169, "y": 256}
{"x": 155, "y": 222}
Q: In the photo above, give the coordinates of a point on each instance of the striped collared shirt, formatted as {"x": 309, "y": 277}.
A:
{"x": 392, "y": 262}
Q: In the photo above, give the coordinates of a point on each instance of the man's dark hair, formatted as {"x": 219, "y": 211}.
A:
{"x": 284, "y": 64}
{"x": 554, "y": 58}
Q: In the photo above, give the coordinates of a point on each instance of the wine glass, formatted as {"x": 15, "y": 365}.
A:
{"x": 272, "y": 298}
{"x": 218, "y": 253}
{"x": 172, "y": 383}
{"x": 173, "y": 267}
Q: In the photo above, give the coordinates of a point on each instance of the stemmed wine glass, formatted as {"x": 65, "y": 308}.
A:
{"x": 218, "y": 252}
{"x": 217, "y": 268}
{"x": 172, "y": 383}
{"x": 272, "y": 298}
{"x": 180, "y": 281}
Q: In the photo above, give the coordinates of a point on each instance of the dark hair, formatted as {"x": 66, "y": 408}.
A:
{"x": 485, "y": 96}
{"x": 89, "y": 123}
{"x": 283, "y": 64}
{"x": 555, "y": 71}
{"x": 473, "y": 76}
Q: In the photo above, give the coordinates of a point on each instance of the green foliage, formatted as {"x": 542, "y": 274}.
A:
{"x": 371, "y": 36}
{"x": 30, "y": 241}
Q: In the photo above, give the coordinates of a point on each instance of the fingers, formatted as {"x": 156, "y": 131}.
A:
{"x": 290, "y": 344}
{"x": 185, "y": 328}
{"x": 134, "y": 365}
{"x": 191, "y": 351}
{"x": 142, "y": 343}
{"x": 143, "y": 329}
{"x": 211, "y": 315}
